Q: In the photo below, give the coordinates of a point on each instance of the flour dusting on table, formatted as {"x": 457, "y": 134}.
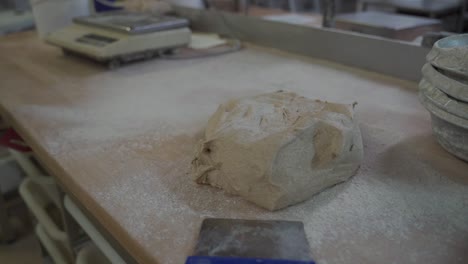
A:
{"x": 130, "y": 143}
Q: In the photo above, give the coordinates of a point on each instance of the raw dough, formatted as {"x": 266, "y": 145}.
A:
{"x": 278, "y": 149}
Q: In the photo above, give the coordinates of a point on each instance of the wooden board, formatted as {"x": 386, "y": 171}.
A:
{"x": 121, "y": 143}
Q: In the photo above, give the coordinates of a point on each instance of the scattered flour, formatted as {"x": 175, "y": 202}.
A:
{"x": 129, "y": 145}
{"x": 378, "y": 214}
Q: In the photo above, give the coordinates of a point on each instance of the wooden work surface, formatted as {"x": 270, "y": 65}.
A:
{"x": 121, "y": 142}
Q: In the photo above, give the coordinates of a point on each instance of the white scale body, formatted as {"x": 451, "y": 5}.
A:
{"x": 122, "y": 36}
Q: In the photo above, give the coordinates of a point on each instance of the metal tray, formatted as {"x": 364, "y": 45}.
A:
{"x": 132, "y": 23}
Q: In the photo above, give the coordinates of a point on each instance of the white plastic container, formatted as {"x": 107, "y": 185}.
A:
{"x": 51, "y": 15}
{"x": 25, "y": 160}
{"x": 51, "y": 235}
{"x": 53, "y": 247}
{"x": 91, "y": 254}
{"x": 99, "y": 240}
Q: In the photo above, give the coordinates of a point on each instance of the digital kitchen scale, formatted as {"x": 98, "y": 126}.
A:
{"x": 122, "y": 36}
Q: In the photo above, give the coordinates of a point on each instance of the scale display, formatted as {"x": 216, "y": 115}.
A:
{"x": 96, "y": 40}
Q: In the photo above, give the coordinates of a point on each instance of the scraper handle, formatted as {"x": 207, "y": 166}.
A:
{"x": 234, "y": 260}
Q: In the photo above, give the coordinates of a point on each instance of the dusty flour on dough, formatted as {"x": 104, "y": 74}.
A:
{"x": 278, "y": 149}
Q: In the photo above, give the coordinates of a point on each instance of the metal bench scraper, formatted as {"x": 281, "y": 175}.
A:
{"x": 229, "y": 241}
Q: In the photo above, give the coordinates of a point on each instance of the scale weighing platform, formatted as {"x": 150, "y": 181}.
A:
{"x": 121, "y": 36}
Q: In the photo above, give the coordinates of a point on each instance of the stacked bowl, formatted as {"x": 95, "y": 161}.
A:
{"x": 443, "y": 91}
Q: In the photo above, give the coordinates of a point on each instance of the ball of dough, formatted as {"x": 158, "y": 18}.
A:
{"x": 278, "y": 149}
